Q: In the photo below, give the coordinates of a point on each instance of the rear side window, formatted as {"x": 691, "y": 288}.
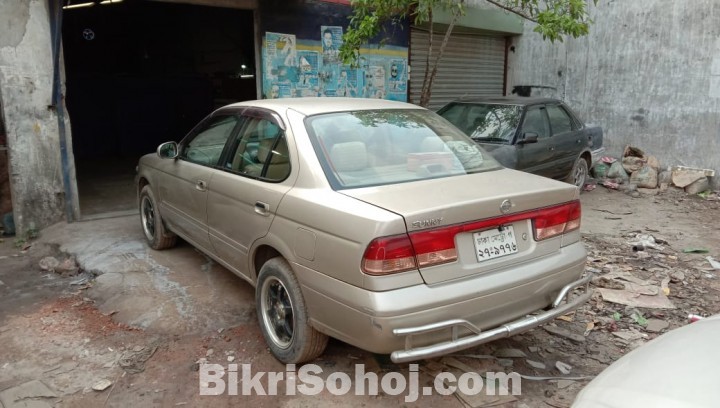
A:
{"x": 261, "y": 151}
{"x": 560, "y": 121}
{"x": 369, "y": 148}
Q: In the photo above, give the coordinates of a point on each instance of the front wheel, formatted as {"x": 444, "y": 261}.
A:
{"x": 579, "y": 173}
{"x": 283, "y": 315}
{"x": 152, "y": 224}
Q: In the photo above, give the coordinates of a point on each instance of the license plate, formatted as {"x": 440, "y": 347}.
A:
{"x": 493, "y": 243}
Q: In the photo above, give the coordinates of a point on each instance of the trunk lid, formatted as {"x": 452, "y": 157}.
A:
{"x": 442, "y": 202}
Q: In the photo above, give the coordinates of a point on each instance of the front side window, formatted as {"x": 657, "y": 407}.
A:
{"x": 207, "y": 145}
{"x": 536, "y": 122}
{"x": 261, "y": 151}
{"x": 378, "y": 147}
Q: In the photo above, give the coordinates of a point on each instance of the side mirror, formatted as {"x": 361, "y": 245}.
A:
{"x": 167, "y": 150}
{"x": 528, "y": 137}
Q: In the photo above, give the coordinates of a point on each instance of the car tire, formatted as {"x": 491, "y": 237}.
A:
{"x": 283, "y": 315}
{"x": 579, "y": 173}
{"x": 157, "y": 236}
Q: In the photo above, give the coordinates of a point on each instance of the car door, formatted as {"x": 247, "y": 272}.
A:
{"x": 184, "y": 183}
{"x": 567, "y": 138}
{"x": 247, "y": 193}
{"x": 535, "y": 157}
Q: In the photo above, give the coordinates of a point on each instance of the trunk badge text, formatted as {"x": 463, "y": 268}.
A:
{"x": 434, "y": 222}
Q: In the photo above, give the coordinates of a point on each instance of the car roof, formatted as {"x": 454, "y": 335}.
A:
{"x": 313, "y": 106}
{"x": 509, "y": 100}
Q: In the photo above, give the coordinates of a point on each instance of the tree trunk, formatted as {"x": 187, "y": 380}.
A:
{"x": 428, "y": 81}
{"x": 424, "y": 100}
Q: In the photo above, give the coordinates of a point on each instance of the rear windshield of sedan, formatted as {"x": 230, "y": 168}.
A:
{"x": 378, "y": 147}
{"x": 486, "y": 122}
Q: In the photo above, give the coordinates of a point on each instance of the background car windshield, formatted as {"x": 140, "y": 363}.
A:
{"x": 369, "y": 148}
{"x": 488, "y": 122}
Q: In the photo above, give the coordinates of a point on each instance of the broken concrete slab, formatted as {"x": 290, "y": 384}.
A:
{"x": 684, "y": 176}
{"x": 536, "y": 364}
{"x": 656, "y": 325}
{"x": 510, "y": 353}
{"x": 578, "y": 338}
{"x": 698, "y": 186}
{"x": 26, "y": 395}
{"x": 628, "y": 298}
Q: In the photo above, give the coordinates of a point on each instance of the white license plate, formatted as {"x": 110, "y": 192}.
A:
{"x": 492, "y": 243}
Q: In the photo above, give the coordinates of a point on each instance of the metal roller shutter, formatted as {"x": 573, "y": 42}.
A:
{"x": 472, "y": 65}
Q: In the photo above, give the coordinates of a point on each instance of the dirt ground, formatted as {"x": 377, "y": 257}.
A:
{"x": 70, "y": 332}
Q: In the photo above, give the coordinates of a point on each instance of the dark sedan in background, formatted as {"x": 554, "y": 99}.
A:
{"x": 537, "y": 135}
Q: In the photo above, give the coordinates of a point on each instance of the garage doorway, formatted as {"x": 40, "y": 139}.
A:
{"x": 140, "y": 73}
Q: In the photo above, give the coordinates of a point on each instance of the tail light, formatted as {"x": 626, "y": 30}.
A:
{"x": 404, "y": 252}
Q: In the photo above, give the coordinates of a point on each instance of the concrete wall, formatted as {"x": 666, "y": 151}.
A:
{"x": 26, "y": 72}
{"x": 649, "y": 73}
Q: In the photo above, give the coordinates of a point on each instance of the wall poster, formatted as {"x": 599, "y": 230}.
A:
{"x": 302, "y": 67}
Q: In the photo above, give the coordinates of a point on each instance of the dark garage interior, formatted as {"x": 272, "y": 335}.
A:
{"x": 140, "y": 73}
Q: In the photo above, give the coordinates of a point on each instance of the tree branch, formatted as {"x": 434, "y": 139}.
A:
{"x": 510, "y": 9}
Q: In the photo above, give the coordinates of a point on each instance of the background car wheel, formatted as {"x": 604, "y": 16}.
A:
{"x": 153, "y": 228}
{"x": 283, "y": 316}
{"x": 579, "y": 173}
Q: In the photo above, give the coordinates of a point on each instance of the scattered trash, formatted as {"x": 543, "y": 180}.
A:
{"x": 563, "y": 367}
{"x": 600, "y": 170}
{"x": 588, "y": 328}
{"x": 102, "y": 385}
{"x": 628, "y": 298}
{"x": 616, "y": 171}
{"x": 510, "y": 353}
{"x": 610, "y": 184}
{"x": 564, "y": 333}
{"x": 638, "y": 318}
{"x": 656, "y": 325}
{"x": 695, "y": 251}
{"x": 209, "y": 352}
{"x": 643, "y": 241}
{"x": 562, "y": 384}
{"x": 133, "y": 362}
{"x": 230, "y": 359}
{"x": 705, "y": 194}
{"x": 677, "y": 277}
{"x": 67, "y": 267}
{"x": 694, "y": 318}
{"x": 536, "y": 364}
{"x": 715, "y": 264}
{"x": 608, "y": 159}
{"x": 630, "y": 335}
{"x": 49, "y": 263}
{"x": 645, "y": 177}
{"x": 589, "y": 187}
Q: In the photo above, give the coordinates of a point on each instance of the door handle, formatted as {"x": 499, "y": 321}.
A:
{"x": 200, "y": 185}
{"x": 262, "y": 208}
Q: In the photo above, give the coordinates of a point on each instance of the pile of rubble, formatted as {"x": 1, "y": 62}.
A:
{"x": 637, "y": 172}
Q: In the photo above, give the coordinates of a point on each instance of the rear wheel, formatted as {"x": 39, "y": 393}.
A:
{"x": 152, "y": 224}
{"x": 283, "y": 315}
{"x": 578, "y": 174}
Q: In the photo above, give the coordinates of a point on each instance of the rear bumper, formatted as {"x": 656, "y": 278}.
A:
{"x": 383, "y": 322}
{"x": 456, "y": 343}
